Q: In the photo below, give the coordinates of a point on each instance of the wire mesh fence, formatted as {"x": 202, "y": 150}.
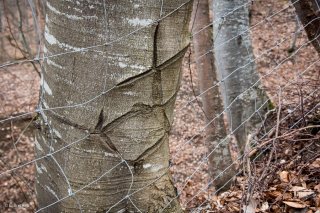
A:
{"x": 288, "y": 69}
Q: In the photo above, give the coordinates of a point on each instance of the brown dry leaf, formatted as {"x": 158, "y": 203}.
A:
{"x": 303, "y": 183}
{"x": 296, "y": 205}
{"x": 264, "y": 206}
{"x": 294, "y": 179}
{"x": 222, "y": 202}
{"x": 305, "y": 194}
{"x": 235, "y": 208}
{"x": 236, "y": 194}
{"x": 274, "y": 194}
{"x": 286, "y": 196}
{"x": 317, "y": 188}
{"x": 317, "y": 201}
{"x": 251, "y": 207}
{"x": 301, "y": 192}
{"x": 315, "y": 164}
{"x": 275, "y": 208}
{"x": 284, "y": 176}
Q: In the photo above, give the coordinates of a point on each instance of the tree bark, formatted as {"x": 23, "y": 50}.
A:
{"x": 308, "y": 12}
{"x": 236, "y": 69}
{"x": 120, "y": 97}
{"x": 216, "y": 132}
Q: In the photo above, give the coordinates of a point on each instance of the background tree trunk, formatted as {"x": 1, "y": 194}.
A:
{"x": 127, "y": 125}
{"x": 216, "y": 132}
{"x": 236, "y": 67}
{"x": 308, "y": 12}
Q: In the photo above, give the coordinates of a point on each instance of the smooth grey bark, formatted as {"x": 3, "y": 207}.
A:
{"x": 236, "y": 68}
{"x": 216, "y": 132}
{"x": 127, "y": 90}
{"x": 308, "y": 12}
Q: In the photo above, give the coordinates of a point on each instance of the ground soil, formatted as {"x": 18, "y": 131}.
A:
{"x": 283, "y": 56}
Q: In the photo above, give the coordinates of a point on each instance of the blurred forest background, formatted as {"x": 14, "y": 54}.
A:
{"x": 280, "y": 174}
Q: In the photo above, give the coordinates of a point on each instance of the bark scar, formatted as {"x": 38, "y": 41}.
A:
{"x": 99, "y": 125}
{"x": 157, "y": 96}
{"x": 155, "y": 48}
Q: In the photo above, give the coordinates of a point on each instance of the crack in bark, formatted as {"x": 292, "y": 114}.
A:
{"x": 149, "y": 151}
{"x": 134, "y": 78}
{"x": 100, "y": 122}
{"x": 173, "y": 59}
{"x": 157, "y": 95}
{"x": 105, "y": 142}
{"x": 155, "y": 49}
{"x": 154, "y": 68}
{"x": 151, "y": 71}
{"x": 65, "y": 120}
{"x": 137, "y": 109}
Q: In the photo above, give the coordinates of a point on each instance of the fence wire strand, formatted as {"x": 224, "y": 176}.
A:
{"x": 43, "y": 108}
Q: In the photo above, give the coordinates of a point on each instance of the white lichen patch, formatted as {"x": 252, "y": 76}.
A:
{"x": 54, "y": 41}
{"x": 129, "y": 93}
{"x": 147, "y": 166}
{"x": 47, "y": 88}
{"x": 78, "y": 10}
{"x": 52, "y": 192}
{"x": 107, "y": 154}
{"x": 45, "y": 104}
{"x": 52, "y": 63}
{"x": 45, "y": 50}
{"x": 122, "y": 210}
{"x": 38, "y": 146}
{"x": 45, "y": 118}
{"x": 140, "y": 22}
{"x": 49, "y": 38}
{"x": 43, "y": 168}
{"x": 153, "y": 167}
{"x": 124, "y": 62}
{"x": 47, "y": 19}
{"x": 138, "y": 67}
{"x": 57, "y": 133}
{"x": 39, "y": 171}
{"x": 122, "y": 65}
{"x": 69, "y": 16}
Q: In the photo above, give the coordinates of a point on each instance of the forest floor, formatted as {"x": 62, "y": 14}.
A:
{"x": 281, "y": 173}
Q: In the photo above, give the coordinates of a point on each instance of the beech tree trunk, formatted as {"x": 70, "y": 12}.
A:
{"x": 236, "y": 68}
{"x": 216, "y": 132}
{"x": 120, "y": 97}
{"x": 308, "y": 12}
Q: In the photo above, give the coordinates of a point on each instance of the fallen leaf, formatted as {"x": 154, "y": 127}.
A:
{"x": 317, "y": 201}
{"x": 251, "y": 208}
{"x": 297, "y": 188}
{"x": 295, "y": 204}
{"x": 317, "y": 188}
{"x": 284, "y": 176}
{"x": 274, "y": 194}
{"x": 264, "y": 206}
{"x": 287, "y": 196}
{"x": 315, "y": 164}
{"x": 301, "y": 192}
{"x": 305, "y": 194}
